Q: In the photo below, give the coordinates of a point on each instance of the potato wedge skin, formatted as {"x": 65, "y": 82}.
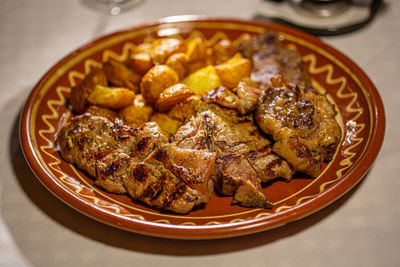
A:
{"x": 141, "y": 62}
{"x": 120, "y": 75}
{"x": 173, "y": 95}
{"x": 162, "y": 48}
{"x": 222, "y": 51}
{"x": 168, "y": 125}
{"x": 142, "y": 48}
{"x": 233, "y": 71}
{"x": 137, "y": 113}
{"x": 203, "y": 80}
{"x": 156, "y": 80}
{"x": 80, "y": 93}
{"x": 178, "y": 63}
{"x": 78, "y": 99}
{"x": 195, "y": 66}
{"x": 196, "y": 50}
{"x": 113, "y": 98}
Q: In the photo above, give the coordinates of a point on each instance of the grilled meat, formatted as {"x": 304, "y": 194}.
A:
{"x": 244, "y": 157}
{"x": 114, "y": 154}
{"x": 90, "y": 140}
{"x": 172, "y": 178}
{"x": 243, "y": 98}
{"x": 302, "y": 123}
{"x": 270, "y": 57}
{"x": 218, "y": 139}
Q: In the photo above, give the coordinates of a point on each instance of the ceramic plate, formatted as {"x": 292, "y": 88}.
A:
{"x": 360, "y": 114}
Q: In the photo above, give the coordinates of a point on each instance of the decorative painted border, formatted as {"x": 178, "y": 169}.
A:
{"x": 77, "y": 188}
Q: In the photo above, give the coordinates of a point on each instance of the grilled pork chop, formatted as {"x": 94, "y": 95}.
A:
{"x": 243, "y": 98}
{"x": 302, "y": 123}
{"x": 127, "y": 159}
{"x": 270, "y": 57}
{"x": 244, "y": 157}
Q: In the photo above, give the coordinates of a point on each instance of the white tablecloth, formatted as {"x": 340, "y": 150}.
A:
{"x": 36, "y": 229}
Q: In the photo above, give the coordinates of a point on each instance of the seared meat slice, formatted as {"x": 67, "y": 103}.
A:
{"x": 235, "y": 176}
{"x": 302, "y": 122}
{"x": 115, "y": 155}
{"x": 111, "y": 171}
{"x": 94, "y": 144}
{"x": 244, "y": 157}
{"x": 172, "y": 178}
{"x": 243, "y": 98}
{"x": 270, "y": 57}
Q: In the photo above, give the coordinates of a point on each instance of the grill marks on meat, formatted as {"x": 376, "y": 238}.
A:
{"x": 270, "y": 57}
{"x": 218, "y": 140}
{"x": 243, "y": 98}
{"x": 172, "y": 178}
{"x": 94, "y": 143}
{"x": 242, "y": 153}
{"x": 111, "y": 170}
{"x": 302, "y": 123}
{"x": 138, "y": 161}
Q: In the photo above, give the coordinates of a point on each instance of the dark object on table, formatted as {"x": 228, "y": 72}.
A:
{"x": 311, "y": 10}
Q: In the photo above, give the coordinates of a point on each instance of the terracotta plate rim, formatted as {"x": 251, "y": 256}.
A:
{"x": 358, "y": 171}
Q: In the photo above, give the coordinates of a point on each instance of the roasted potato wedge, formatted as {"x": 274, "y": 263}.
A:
{"x": 120, "y": 75}
{"x": 178, "y": 63}
{"x": 168, "y": 125}
{"x": 137, "y": 113}
{"x": 222, "y": 51}
{"x": 233, "y": 71}
{"x": 162, "y": 48}
{"x": 103, "y": 112}
{"x": 111, "y": 97}
{"x": 196, "y": 50}
{"x": 95, "y": 77}
{"x": 195, "y": 66}
{"x": 78, "y": 99}
{"x": 79, "y": 93}
{"x": 156, "y": 80}
{"x": 141, "y": 62}
{"x": 142, "y": 48}
{"x": 172, "y": 96}
{"x": 203, "y": 80}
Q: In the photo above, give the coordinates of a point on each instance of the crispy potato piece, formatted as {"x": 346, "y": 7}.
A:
{"x": 78, "y": 99}
{"x": 142, "y": 48}
{"x": 237, "y": 55}
{"x": 196, "y": 50}
{"x": 103, "y": 112}
{"x": 162, "y": 48}
{"x": 137, "y": 113}
{"x": 172, "y": 96}
{"x": 168, "y": 125}
{"x": 156, "y": 80}
{"x": 141, "y": 62}
{"x": 203, "y": 80}
{"x": 79, "y": 93}
{"x": 222, "y": 51}
{"x": 111, "y": 97}
{"x": 195, "y": 66}
{"x": 120, "y": 75}
{"x": 233, "y": 71}
{"x": 178, "y": 63}
{"x": 95, "y": 77}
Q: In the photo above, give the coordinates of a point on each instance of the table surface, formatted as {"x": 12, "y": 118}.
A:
{"x": 36, "y": 229}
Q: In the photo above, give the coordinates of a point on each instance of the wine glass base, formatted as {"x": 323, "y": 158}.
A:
{"x": 111, "y": 7}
